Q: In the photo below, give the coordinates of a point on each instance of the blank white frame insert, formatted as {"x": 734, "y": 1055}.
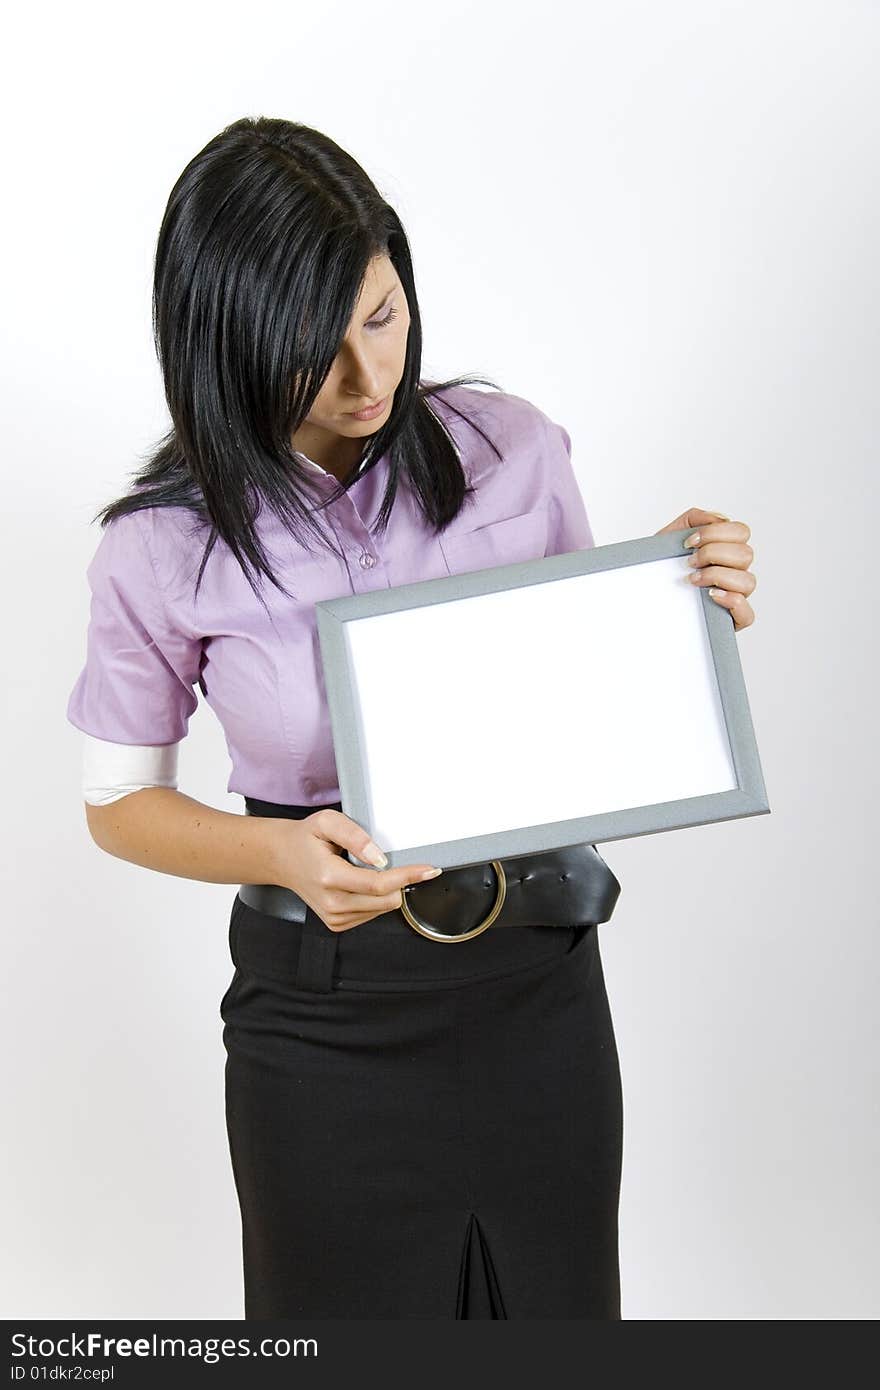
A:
{"x": 574, "y": 698}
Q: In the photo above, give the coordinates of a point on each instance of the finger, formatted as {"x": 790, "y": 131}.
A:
{"x": 349, "y": 882}
{"x": 347, "y": 924}
{"x": 740, "y": 581}
{"x": 732, "y": 531}
{"x": 694, "y": 516}
{"x": 718, "y": 531}
{"x": 351, "y": 919}
{"x": 735, "y": 555}
{"x": 737, "y": 605}
{"x": 340, "y": 910}
{"x": 340, "y": 830}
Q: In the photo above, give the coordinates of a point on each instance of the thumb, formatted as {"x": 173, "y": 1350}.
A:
{"x": 339, "y": 829}
{"x": 694, "y": 516}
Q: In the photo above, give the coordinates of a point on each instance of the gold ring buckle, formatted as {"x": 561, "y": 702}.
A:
{"x": 431, "y": 932}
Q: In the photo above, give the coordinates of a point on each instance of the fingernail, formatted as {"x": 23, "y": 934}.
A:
{"x": 694, "y": 539}
{"x": 720, "y": 515}
{"x": 430, "y": 873}
{"x": 374, "y": 855}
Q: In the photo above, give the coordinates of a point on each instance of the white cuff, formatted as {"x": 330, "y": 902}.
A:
{"x": 113, "y": 770}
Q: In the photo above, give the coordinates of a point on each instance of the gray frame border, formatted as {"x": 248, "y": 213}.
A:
{"x": 749, "y": 798}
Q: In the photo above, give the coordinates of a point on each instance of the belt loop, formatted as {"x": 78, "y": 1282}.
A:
{"x": 317, "y": 954}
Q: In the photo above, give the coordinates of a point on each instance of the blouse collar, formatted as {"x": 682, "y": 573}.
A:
{"x": 305, "y": 458}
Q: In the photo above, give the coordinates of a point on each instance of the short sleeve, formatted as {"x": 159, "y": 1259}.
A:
{"x": 569, "y": 527}
{"x": 137, "y": 684}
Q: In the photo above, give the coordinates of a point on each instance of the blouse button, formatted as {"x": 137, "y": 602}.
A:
{"x": 366, "y": 559}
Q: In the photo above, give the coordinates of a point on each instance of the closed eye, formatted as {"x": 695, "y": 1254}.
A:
{"x": 383, "y": 323}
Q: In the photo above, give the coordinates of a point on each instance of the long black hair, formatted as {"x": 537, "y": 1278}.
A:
{"x": 260, "y": 261}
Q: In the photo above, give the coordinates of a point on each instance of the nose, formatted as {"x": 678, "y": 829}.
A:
{"x": 362, "y": 379}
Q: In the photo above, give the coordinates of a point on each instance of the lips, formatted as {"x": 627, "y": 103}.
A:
{"x": 368, "y": 411}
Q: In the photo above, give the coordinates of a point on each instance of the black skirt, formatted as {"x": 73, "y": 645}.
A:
{"x": 420, "y": 1129}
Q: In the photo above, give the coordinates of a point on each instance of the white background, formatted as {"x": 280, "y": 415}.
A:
{"x": 659, "y": 223}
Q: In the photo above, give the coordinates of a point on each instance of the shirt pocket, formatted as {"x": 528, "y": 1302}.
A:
{"x": 505, "y": 542}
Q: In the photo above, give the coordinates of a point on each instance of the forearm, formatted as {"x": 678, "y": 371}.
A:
{"x": 163, "y": 829}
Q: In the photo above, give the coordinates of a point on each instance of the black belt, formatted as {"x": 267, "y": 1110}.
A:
{"x": 563, "y": 887}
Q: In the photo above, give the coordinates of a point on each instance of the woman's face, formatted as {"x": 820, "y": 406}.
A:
{"x": 366, "y": 370}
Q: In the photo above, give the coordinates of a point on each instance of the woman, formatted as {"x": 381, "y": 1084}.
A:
{"x": 414, "y": 1131}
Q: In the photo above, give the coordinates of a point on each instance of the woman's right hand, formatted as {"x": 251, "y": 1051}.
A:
{"x": 311, "y": 863}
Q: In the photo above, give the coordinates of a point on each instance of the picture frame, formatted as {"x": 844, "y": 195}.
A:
{"x": 577, "y": 698}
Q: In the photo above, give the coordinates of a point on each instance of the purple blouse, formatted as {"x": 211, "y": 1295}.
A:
{"x": 150, "y": 643}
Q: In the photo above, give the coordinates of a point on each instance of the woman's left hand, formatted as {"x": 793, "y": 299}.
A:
{"x": 721, "y": 558}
